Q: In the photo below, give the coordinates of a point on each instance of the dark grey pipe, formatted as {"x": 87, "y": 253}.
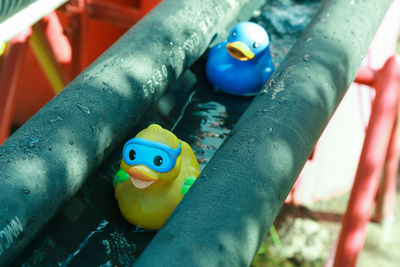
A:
{"x": 226, "y": 215}
{"x": 10, "y": 7}
{"x": 46, "y": 161}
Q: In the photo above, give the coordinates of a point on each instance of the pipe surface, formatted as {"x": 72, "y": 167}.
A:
{"x": 17, "y": 15}
{"x": 227, "y": 213}
{"x": 10, "y": 7}
{"x": 47, "y": 160}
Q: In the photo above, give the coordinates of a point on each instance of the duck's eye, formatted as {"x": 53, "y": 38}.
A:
{"x": 158, "y": 160}
{"x": 233, "y": 34}
{"x": 255, "y": 44}
{"x": 132, "y": 154}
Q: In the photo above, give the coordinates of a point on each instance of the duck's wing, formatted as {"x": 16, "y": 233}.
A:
{"x": 187, "y": 184}
{"x": 191, "y": 169}
{"x": 120, "y": 177}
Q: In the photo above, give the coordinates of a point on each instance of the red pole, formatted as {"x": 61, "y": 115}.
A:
{"x": 120, "y": 15}
{"x": 365, "y": 76}
{"x": 384, "y": 112}
{"x": 10, "y": 70}
{"x": 146, "y": 5}
{"x": 54, "y": 72}
{"x": 76, "y": 31}
{"x": 58, "y": 41}
{"x": 386, "y": 198}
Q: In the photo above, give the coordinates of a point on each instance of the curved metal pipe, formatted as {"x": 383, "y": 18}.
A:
{"x": 17, "y": 15}
{"x": 227, "y": 213}
{"x": 46, "y": 161}
{"x": 10, "y": 7}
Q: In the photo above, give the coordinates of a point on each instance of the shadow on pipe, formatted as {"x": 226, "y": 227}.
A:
{"x": 227, "y": 213}
{"x": 47, "y": 160}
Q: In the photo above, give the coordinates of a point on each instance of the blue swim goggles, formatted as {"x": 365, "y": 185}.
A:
{"x": 156, "y": 156}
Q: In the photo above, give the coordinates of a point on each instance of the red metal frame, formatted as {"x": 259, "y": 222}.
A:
{"x": 59, "y": 51}
{"x": 76, "y": 30}
{"x": 386, "y": 197}
{"x": 45, "y": 55}
{"x": 80, "y": 11}
{"x": 379, "y": 145}
{"x": 10, "y": 69}
{"x": 116, "y": 14}
{"x": 12, "y": 62}
{"x": 365, "y": 76}
{"x": 56, "y": 38}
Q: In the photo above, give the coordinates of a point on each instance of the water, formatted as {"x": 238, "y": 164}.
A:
{"x": 32, "y": 142}
{"x": 84, "y": 109}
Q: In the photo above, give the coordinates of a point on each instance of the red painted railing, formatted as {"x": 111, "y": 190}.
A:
{"x": 379, "y": 147}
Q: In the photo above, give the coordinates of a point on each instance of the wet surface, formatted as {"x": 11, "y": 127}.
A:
{"x": 89, "y": 230}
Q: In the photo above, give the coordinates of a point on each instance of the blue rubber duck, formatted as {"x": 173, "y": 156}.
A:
{"x": 242, "y": 64}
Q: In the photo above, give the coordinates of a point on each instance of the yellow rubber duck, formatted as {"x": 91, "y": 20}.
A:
{"x": 157, "y": 169}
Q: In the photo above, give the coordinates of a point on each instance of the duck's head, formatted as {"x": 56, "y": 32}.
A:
{"x": 247, "y": 40}
{"x": 154, "y": 155}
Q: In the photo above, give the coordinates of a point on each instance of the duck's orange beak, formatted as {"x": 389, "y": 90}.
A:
{"x": 141, "y": 177}
{"x": 240, "y": 51}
